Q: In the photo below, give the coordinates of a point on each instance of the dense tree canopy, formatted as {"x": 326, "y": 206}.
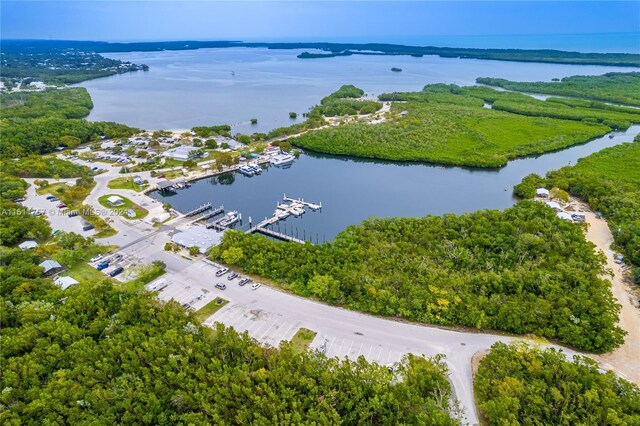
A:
{"x": 448, "y": 124}
{"x": 39, "y": 122}
{"x": 622, "y": 88}
{"x": 100, "y": 355}
{"x": 520, "y": 385}
{"x": 521, "y": 270}
{"x": 609, "y": 181}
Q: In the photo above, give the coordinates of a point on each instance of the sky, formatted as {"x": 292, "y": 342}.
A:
{"x": 356, "y": 21}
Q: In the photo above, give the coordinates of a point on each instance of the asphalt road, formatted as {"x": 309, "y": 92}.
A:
{"x": 270, "y": 316}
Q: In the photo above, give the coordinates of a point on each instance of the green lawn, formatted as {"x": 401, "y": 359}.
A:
{"x": 84, "y": 272}
{"x": 121, "y": 209}
{"x": 210, "y": 308}
{"x": 302, "y": 339}
{"x": 124, "y": 183}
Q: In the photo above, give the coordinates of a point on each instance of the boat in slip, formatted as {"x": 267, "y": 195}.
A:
{"x": 246, "y": 170}
{"x": 229, "y": 219}
{"x": 282, "y": 159}
{"x": 255, "y": 167}
{"x": 297, "y": 211}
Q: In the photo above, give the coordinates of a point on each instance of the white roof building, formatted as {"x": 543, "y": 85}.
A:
{"x": 555, "y": 206}
{"x": 65, "y": 282}
{"x": 233, "y": 144}
{"x": 565, "y": 216}
{"x": 542, "y": 193}
{"x": 114, "y": 200}
{"x": 180, "y": 153}
{"x": 27, "y": 245}
{"x": 50, "y": 266}
{"x": 198, "y": 236}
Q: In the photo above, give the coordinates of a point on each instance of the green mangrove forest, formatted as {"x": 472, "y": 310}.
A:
{"x": 521, "y": 271}
{"x": 520, "y": 385}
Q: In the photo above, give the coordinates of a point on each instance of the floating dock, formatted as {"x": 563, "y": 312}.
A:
{"x": 283, "y": 210}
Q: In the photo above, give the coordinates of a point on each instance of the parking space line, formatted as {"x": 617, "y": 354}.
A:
{"x": 241, "y": 325}
{"x": 264, "y": 322}
{"x": 359, "y": 349}
{"x": 266, "y": 332}
{"x": 369, "y": 353}
{"x": 379, "y": 354}
{"x": 281, "y": 336}
{"x": 337, "y": 353}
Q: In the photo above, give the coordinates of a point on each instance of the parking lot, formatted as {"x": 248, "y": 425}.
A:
{"x": 58, "y": 218}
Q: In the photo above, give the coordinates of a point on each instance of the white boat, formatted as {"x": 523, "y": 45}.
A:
{"x": 297, "y": 211}
{"x": 256, "y": 168}
{"x": 229, "y": 219}
{"x": 282, "y": 159}
{"x": 283, "y": 206}
{"x": 246, "y": 170}
{"x": 281, "y": 214}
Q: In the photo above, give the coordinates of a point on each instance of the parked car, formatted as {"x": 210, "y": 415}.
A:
{"x": 19, "y": 200}
{"x": 618, "y": 259}
{"x": 61, "y": 206}
{"x": 244, "y": 281}
{"x": 104, "y": 262}
{"x": 73, "y": 214}
{"x": 256, "y": 286}
{"x": 232, "y": 276}
{"x": 116, "y": 258}
{"x": 53, "y": 199}
{"x": 96, "y": 258}
{"x": 102, "y": 266}
{"x": 116, "y": 271}
{"x": 50, "y": 197}
{"x": 221, "y": 272}
{"x": 221, "y": 286}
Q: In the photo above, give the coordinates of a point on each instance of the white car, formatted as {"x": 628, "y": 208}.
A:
{"x": 96, "y": 258}
{"x": 256, "y": 286}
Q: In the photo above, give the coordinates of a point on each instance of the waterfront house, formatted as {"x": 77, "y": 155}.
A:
{"x": 50, "y": 267}
{"x": 542, "y": 193}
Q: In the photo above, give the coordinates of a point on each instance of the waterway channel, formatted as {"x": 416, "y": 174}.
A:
{"x": 352, "y": 190}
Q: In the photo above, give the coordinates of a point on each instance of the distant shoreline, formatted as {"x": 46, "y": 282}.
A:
{"x": 341, "y": 49}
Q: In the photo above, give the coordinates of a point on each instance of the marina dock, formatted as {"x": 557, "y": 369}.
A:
{"x": 284, "y": 210}
{"x": 197, "y": 210}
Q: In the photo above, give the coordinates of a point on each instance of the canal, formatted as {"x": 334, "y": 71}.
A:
{"x": 352, "y": 190}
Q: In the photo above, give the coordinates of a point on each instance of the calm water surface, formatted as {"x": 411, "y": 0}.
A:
{"x": 352, "y": 190}
{"x": 183, "y": 89}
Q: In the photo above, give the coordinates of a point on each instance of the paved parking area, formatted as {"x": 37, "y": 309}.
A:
{"x": 57, "y": 217}
{"x": 267, "y": 327}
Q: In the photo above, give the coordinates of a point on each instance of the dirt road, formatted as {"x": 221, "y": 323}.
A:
{"x": 626, "y": 359}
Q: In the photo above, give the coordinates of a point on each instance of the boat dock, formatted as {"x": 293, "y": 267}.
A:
{"x": 301, "y": 201}
{"x": 197, "y": 210}
{"x": 278, "y": 235}
{"x": 283, "y": 210}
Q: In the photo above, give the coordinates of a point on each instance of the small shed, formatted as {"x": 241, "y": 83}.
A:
{"x": 165, "y": 185}
{"x": 542, "y": 193}
{"x": 115, "y": 201}
{"x": 28, "y": 245}
{"x": 50, "y": 267}
{"x": 65, "y": 282}
{"x": 138, "y": 180}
